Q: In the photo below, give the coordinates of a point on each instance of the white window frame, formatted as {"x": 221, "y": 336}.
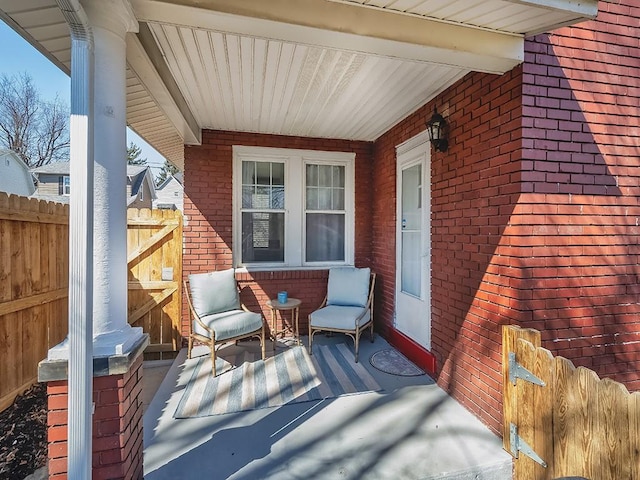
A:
{"x": 295, "y": 161}
{"x": 66, "y": 185}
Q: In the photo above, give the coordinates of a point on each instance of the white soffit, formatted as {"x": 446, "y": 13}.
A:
{"x": 234, "y": 82}
{"x": 324, "y": 68}
{"x": 524, "y": 17}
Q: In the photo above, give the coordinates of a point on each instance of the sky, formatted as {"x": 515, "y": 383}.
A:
{"x": 18, "y": 56}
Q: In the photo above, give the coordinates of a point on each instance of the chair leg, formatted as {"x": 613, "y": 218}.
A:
{"x": 190, "y": 347}
{"x": 213, "y": 357}
{"x": 371, "y": 334}
{"x": 263, "y": 343}
{"x": 357, "y": 341}
{"x": 310, "y": 339}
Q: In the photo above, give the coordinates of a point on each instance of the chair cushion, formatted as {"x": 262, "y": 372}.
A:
{"x": 214, "y": 292}
{"x": 229, "y": 324}
{"x": 338, "y": 317}
{"x": 348, "y": 286}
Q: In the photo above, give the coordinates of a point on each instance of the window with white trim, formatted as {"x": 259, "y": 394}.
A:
{"x": 292, "y": 208}
{"x": 66, "y": 185}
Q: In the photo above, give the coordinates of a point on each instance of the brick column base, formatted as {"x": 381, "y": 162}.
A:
{"x": 117, "y": 419}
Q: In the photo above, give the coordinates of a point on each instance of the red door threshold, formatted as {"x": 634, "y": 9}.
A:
{"x": 410, "y": 349}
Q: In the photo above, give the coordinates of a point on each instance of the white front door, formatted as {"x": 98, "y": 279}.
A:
{"x": 413, "y": 263}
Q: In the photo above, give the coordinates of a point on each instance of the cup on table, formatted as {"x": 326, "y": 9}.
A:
{"x": 282, "y": 297}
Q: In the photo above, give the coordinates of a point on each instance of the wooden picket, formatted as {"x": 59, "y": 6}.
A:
{"x": 34, "y": 253}
{"x": 579, "y": 424}
{"x": 154, "y": 243}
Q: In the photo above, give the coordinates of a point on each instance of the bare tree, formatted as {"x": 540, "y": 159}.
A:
{"x": 37, "y": 130}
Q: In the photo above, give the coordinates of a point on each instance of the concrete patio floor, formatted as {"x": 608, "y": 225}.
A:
{"x": 410, "y": 430}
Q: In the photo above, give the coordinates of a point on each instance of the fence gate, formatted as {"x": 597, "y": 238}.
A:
{"x": 561, "y": 421}
{"x": 154, "y": 245}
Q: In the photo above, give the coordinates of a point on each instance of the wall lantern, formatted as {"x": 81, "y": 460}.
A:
{"x": 438, "y": 129}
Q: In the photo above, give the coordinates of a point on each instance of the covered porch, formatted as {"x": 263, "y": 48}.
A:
{"x": 200, "y": 79}
{"x": 409, "y": 429}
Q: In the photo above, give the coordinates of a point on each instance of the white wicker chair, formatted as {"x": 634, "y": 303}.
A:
{"x": 218, "y": 315}
{"x": 348, "y": 306}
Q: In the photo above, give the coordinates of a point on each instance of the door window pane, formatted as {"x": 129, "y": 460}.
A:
{"x": 411, "y": 277}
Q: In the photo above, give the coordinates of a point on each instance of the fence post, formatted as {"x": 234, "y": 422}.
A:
{"x": 510, "y": 336}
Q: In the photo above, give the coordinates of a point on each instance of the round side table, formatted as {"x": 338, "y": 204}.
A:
{"x": 292, "y": 304}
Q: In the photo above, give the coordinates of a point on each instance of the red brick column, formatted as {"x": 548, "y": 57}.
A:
{"x": 117, "y": 426}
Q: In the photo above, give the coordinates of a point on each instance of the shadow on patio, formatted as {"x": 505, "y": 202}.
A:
{"x": 410, "y": 429}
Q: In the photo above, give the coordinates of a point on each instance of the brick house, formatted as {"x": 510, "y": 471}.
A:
{"x": 529, "y": 217}
{"x": 534, "y": 211}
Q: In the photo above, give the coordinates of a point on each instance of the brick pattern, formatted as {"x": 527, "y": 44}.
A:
{"x": 573, "y": 245}
{"x": 208, "y": 230}
{"x": 474, "y": 187}
{"x": 117, "y": 426}
{"x": 534, "y": 209}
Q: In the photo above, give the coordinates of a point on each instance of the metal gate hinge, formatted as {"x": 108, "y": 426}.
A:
{"x": 518, "y": 371}
{"x": 519, "y": 445}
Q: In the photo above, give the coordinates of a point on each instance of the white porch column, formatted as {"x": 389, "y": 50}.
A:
{"x": 110, "y": 21}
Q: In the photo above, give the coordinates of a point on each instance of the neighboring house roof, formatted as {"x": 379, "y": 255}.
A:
{"x": 54, "y": 168}
{"x": 136, "y": 176}
{"x": 178, "y": 177}
{"x": 170, "y": 193}
{"x": 14, "y": 174}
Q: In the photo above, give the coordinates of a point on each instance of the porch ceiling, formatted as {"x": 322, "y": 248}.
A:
{"x": 347, "y": 69}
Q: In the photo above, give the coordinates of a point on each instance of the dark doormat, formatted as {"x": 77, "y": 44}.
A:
{"x": 393, "y": 362}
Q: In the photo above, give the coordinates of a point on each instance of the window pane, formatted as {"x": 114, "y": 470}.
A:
{"x": 262, "y": 198}
{"x": 277, "y": 171}
{"x": 411, "y": 275}
{"x": 338, "y": 199}
{"x": 247, "y": 196}
{"x": 324, "y": 199}
{"x": 277, "y": 197}
{"x": 325, "y": 237}
{"x": 262, "y": 237}
{"x": 338, "y": 176}
{"x": 263, "y": 173}
{"x": 331, "y": 180}
{"x": 312, "y": 198}
{"x": 324, "y": 175}
{"x": 248, "y": 173}
{"x": 312, "y": 175}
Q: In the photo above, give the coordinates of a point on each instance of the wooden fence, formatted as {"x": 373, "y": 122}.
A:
{"x": 34, "y": 269}
{"x": 34, "y": 278}
{"x": 574, "y": 422}
{"x": 154, "y": 245}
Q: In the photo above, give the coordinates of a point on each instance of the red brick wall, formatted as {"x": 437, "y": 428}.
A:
{"x": 574, "y": 240}
{"x": 117, "y": 426}
{"x": 208, "y": 213}
{"x": 535, "y": 209}
{"x": 474, "y": 188}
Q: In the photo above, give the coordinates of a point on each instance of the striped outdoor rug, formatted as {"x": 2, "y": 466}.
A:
{"x": 288, "y": 377}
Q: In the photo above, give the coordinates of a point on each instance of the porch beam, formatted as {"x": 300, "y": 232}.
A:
{"x": 581, "y": 8}
{"x": 346, "y": 27}
{"x": 574, "y": 10}
{"x": 146, "y": 60}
